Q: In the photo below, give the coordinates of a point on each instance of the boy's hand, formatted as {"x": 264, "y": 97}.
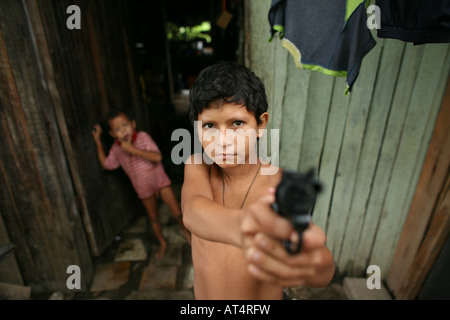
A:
{"x": 96, "y": 133}
{"x": 127, "y": 146}
{"x": 263, "y": 232}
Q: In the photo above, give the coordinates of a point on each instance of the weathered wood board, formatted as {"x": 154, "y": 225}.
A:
{"x": 369, "y": 147}
{"x": 58, "y": 206}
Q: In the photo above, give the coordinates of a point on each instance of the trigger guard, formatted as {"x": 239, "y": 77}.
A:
{"x": 288, "y": 246}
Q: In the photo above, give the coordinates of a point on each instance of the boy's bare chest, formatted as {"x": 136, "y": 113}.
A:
{"x": 234, "y": 194}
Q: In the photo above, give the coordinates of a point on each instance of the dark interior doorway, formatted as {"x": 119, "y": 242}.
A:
{"x": 174, "y": 40}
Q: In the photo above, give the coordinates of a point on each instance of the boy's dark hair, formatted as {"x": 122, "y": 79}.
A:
{"x": 229, "y": 82}
{"x": 114, "y": 113}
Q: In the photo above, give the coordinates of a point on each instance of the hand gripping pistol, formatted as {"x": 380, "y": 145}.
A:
{"x": 295, "y": 198}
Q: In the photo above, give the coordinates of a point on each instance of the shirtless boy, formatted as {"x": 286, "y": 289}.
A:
{"x": 237, "y": 248}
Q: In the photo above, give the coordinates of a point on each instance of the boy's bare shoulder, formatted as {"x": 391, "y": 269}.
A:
{"x": 194, "y": 165}
{"x": 268, "y": 178}
{"x": 271, "y": 175}
{"x": 196, "y": 179}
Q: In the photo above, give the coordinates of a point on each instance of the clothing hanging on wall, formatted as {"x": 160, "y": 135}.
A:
{"x": 417, "y": 21}
{"x": 329, "y": 36}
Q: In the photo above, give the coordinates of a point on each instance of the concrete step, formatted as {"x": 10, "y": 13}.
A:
{"x": 357, "y": 289}
{"x": 333, "y": 291}
{"x": 158, "y": 277}
{"x": 14, "y": 292}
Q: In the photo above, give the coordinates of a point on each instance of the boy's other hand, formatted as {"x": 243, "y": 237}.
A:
{"x": 126, "y": 146}
{"x": 263, "y": 232}
{"x": 96, "y": 133}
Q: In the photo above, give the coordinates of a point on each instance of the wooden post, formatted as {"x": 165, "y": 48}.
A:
{"x": 168, "y": 57}
{"x": 44, "y": 54}
{"x": 422, "y": 238}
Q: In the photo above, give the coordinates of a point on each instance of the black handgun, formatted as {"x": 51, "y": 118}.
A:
{"x": 295, "y": 197}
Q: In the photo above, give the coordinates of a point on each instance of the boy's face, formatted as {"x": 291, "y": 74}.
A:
{"x": 122, "y": 128}
{"x": 229, "y": 134}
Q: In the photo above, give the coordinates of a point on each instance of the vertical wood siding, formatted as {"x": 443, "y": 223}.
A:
{"x": 92, "y": 74}
{"x": 368, "y": 147}
{"x": 36, "y": 195}
{"x": 58, "y": 206}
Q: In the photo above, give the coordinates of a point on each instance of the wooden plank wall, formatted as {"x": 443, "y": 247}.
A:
{"x": 58, "y": 206}
{"x": 37, "y": 198}
{"x": 93, "y": 73}
{"x": 9, "y": 270}
{"x": 368, "y": 147}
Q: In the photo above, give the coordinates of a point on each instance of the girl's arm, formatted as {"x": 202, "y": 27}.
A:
{"x": 201, "y": 215}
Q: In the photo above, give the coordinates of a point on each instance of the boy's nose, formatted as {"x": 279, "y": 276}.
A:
{"x": 226, "y": 138}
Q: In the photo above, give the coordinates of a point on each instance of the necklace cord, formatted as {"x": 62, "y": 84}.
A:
{"x": 248, "y": 190}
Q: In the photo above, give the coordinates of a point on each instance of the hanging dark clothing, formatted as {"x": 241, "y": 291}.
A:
{"x": 330, "y": 36}
{"x": 417, "y": 21}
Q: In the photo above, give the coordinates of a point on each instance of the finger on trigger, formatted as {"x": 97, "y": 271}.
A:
{"x": 272, "y": 223}
{"x": 313, "y": 237}
{"x": 270, "y": 245}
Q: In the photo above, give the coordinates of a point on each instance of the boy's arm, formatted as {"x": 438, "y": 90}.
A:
{"x": 100, "y": 152}
{"x": 147, "y": 155}
{"x": 201, "y": 215}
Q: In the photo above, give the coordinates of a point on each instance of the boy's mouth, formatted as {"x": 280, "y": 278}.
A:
{"x": 225, "y": 155}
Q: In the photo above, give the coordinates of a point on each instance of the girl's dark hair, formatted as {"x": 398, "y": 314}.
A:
{"x": 229, "y": 82}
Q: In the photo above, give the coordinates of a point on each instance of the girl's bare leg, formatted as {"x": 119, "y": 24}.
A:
{"x": 152, "y": 210}
{"x": 171, "y": 201}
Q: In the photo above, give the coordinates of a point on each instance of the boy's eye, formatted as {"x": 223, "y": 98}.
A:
{"x": 208, "y": 126}
{"x": 238, "y": 123}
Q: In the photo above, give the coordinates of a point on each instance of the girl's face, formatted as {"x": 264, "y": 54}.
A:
{"x": 229, "y": 134}
{"x": 122, "y": 128}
